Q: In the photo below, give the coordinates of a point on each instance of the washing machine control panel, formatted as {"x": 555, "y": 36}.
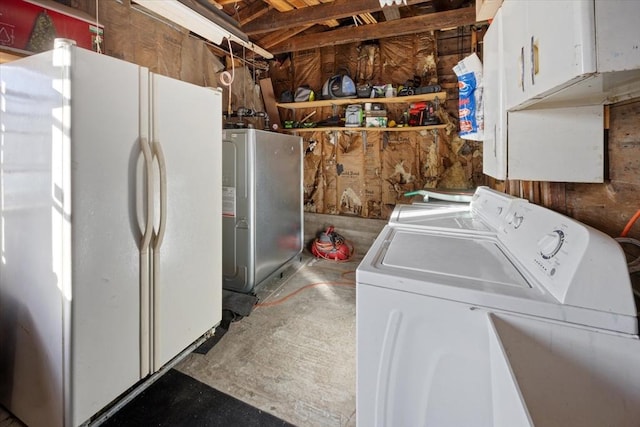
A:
{"x": 492, "y": 206}
{"x": 548, "y": 244}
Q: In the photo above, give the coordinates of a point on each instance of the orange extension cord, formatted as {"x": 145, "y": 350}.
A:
{"x": 632, "y": 221}
{"x": 309, "y": 286}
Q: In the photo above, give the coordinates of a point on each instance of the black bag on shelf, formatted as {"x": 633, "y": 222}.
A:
{"x": 286, "y": 96}
{"x": 339, "y": 86}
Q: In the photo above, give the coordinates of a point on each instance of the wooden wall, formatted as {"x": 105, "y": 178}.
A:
{"x": 366, "y": 175}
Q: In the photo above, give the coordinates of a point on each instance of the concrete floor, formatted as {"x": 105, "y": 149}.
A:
{"x": 296, "y": 358}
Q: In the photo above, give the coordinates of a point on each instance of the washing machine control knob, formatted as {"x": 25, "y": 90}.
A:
{"x": 550, "y": 243}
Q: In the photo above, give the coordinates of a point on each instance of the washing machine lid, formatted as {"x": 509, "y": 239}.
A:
{"x": 464, "y": 258}
{"x": 473, "y": 269}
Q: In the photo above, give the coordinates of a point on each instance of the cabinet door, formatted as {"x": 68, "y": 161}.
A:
{"x": 559, "y": 45}
{"x": 513, "y": 19}
{"x": 557, "y": 144}
{"x": 549, "y": 45}
{"x": 494, "y": 142}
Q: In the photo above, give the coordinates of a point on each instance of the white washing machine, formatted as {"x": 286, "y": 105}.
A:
{"x": 458, "y": 328}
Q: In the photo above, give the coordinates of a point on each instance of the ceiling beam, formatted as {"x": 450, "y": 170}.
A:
{"x": 275, "y": 20}
{"x": 252, "y": 12}
{"x": 278, "y": 37}
{"x": 399, "y": 27}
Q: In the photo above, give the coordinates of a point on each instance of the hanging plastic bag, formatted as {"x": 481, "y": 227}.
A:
{"x": 470, "y": 109}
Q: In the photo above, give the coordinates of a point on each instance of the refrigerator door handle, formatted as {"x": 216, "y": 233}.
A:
{"x": 144, "y": 260}
{"x": 159, "y": 235}
{"x": 148, "y": 164}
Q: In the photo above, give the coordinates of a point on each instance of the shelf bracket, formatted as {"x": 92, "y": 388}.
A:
{"x": 364, "y": 140}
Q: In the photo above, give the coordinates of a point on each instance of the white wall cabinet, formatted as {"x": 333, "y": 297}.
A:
{"x": 550, "y": 66}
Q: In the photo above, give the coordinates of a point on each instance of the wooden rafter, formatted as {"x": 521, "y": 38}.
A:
{"x": 416, "y": 24}
{"x": 252, "y": 12}
{"x": 215, "y": 4}
{"x": 338, "y": 9}
{"x": 278, "y": 37}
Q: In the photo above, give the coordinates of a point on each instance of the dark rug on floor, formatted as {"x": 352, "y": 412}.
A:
{"x": 239, "y": 303}
{"x": 177, "y": 400}
{"x": 235, "y": 306}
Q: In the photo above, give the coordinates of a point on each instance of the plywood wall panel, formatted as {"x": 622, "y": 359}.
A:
{"x": 426, "y": 54}
{"x": 346, "y": 56}
{"x": 373, "y": 175}
{"x": 330, "y": 173}
{"x": 192, "y": 67}
{"x": 624, "y": 143}
{"x": 397, "y": 59}
{"x": 350, "y": 169}
{"x": 306, "y": 70}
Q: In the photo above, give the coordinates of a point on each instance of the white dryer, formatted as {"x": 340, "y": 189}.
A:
{"x": 435, "y": 322}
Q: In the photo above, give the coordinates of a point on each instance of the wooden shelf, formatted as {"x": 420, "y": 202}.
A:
{"x": 370, "y": 129}
{"x": 346, "y": 101}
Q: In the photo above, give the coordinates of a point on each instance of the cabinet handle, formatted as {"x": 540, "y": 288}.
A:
{"x": 535, "y": 68}
{"x": 495, "y": 142}
{"x": 522, "y": 68}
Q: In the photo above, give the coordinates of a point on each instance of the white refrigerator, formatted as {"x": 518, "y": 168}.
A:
{"x": 110, "y": 231}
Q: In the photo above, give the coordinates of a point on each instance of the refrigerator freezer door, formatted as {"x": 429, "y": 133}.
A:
{"x": 105, "y": 233}
{"x": 186, "y": 123}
